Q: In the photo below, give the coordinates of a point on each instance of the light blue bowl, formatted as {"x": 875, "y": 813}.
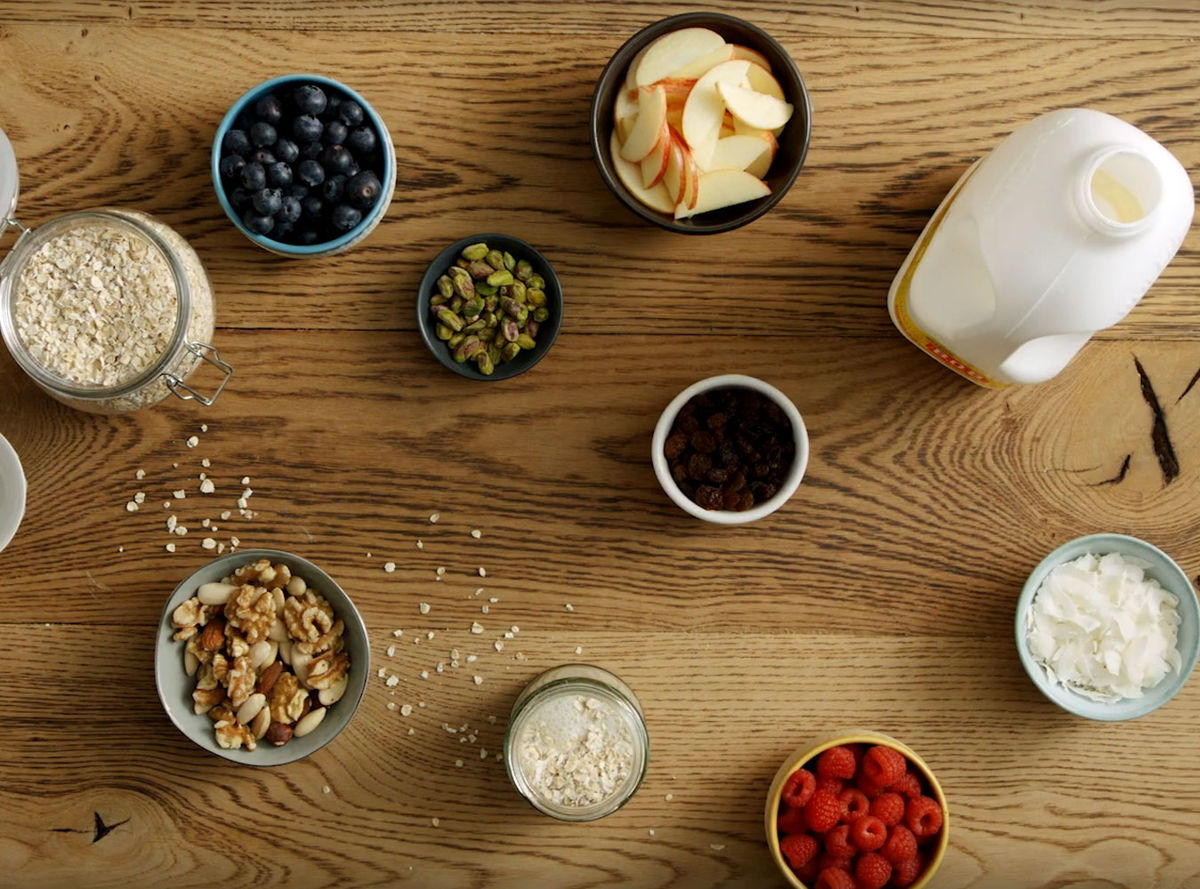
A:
{"x": 325, "y": 248}
{"x": 1169, "y": 575}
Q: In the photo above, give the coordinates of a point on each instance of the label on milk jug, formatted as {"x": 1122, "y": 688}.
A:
{"x": 903, "y": 318}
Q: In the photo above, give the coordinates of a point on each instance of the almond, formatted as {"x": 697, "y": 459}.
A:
{"x": 268, "y": 677}
{"x": 212, "y": 637}
{"x": 279, "y": 733}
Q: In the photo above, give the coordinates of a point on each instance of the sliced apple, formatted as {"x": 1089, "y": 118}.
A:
{"x": 647, "y": 129}
{"x": 763, "y": 81}
{"x": 655, "y": 198}
{"x": 675, "y": 118}
{"x": 691, "y": 182}
{"x": 630, "y": 83}
{"x": 750, "y": 55}
{"x": 700, "y": 66}
{"x": 723, "y": 188}
{"x": 676, "y": 88}
{"x": 654, "y": 165}
{"x": 675, "y": 178}
{"x": 704, "y": 110}
{"x": 673, "y": 51}
{"x": 753, "y": 108}
{"x": 625, "y": 112}
{"x": 760, "y": 167}
{"x": 740, "y": 153}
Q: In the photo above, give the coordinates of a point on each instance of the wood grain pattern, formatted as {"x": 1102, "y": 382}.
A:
{"x": 881, "y": 596}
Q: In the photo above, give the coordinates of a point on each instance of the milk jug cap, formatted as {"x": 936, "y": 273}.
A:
{"x": 8, "y": 182}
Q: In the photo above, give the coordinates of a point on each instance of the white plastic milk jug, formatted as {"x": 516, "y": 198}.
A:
{"x": 1054, "y": 235}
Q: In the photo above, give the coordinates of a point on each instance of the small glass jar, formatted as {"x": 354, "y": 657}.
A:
{"x": 106, "y": 310}
{"x": 576, "y": 746}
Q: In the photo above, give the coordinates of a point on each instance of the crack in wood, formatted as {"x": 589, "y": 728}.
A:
{"x": 1159, "y": 436}
{"x": 1121, "y": 473}
{"x": 99, "y": 831}
{"x": 1188, "y": 388}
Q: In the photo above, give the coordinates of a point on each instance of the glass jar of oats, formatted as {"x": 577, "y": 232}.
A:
{"x": 106, "y": 310}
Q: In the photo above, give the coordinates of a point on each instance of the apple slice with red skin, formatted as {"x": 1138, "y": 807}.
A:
{"x": 647, "y": 129}
{"x": 673, "y": 51}
{"x": 654, "y": 165}
{"x": 723, "y": 188}
{"x": 630, "y": 175}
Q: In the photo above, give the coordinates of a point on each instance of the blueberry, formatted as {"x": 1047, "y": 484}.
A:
{"x": 267, "y": 201}
{"x": 312, "y": 207}
{"x": 231, "y": 166}
{"x": 344, "y": 217}
{"x": 310, "y": 98}
{"x": 336, "y": 159}
{"x": 282, "y": 230}
{"x": 279, "y": 175}
{"x": 296, "y": 190}
{"x": 254, "y": 176}
{"x": 333, "y": 188}
{"x": 335, "y": 133}
{"x": 332, "y": 104}
{"x": 350, "y": 113}
{"x": 239, "y": 199}
{"x": 264, "y": 156}
{"x": 310, "y": 172}
{"x": 236, "y": 142}
{"x": 311, "y": 151}
{"x": 286, "y": 150}
{"x": 263, "y": 134}
{"x": 269, "y": 109}
{"x": 307, "y": 237}
{"x": 307, "y": 128}
{"x": 363, "y": 189}
{"x": 289, "y": 210}
{"x": 361, "y": 140}
{"x": 257, "y": 223}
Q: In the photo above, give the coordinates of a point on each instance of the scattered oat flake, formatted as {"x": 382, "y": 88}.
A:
{"x": 120, "y": 549}
{"x": 435, "y": 821}
{"x": 203, "y": 427}
{"x": 131, "y": 506}
{"x": 424, "y": 674}
{"x": 140, "y": 474}
{"x": 406, "y": 710}
{"x": 420, "y": 545}
{"x": 483, "y": 609}
{"x": 207, "y": 486}
{"x": 180, "y": 530}
{"x": 206, "y": 463}
{"x": 391, "y": 651}
{"x": 193, "y": 441}
{"x": 325, "y": 789}
{"x": 498, "y": 645}
{"x": 494, "y": 599}
{"x": 393, "y": 681}
{"x": 423, "y": 607}
{"x": 476, "y": 628}
{"x": 441, "y": 571}
{"x": 569, "y": 607}
{"x": 166, "y": 504}
{"x": 170, "y": 547}
{"x": 203, "y": 476}
{"x": 515, "y": 628}
{"x": 579, "y": 649}
{"x": 397, "y": 633}
{"x": 139, "y": 498}
{"x": 478, "y": 680}
{"x": 225, "y": 514}
{"x": 434, "y": 517}
{"x": 208, "y": 543}
{"x": 476, "y": 533}
{"x": 381, "y": 672}
{"x": 650, "y": 831}
{"x": 482, "y": 571}
{"x": 471, "y": 658}
{"x": 716, "y": 847}
{"x": 234, "y": 541}
{"x": 669, "y": 797}
{"x": 458, "y": 763}
{"x": 478, "y": 591}
{"x": 429, "y": 635}
{"x": 389, "y": 567}
{"x": 391, "y": 705}
{"x": 482, "y": 753}
{"x": 181, "y": 494}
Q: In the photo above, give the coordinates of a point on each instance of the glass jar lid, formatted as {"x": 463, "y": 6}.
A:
{"x": 8, "y": 182}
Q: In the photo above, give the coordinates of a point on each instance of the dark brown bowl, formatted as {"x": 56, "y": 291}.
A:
{"x": 793, "y": 141}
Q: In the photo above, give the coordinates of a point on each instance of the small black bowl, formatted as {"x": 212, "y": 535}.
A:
{"x": 547, "y": 333}
{"x": 793, "y": 141}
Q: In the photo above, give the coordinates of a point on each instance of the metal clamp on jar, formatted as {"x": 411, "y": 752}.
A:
{"x": 106, "y": 310}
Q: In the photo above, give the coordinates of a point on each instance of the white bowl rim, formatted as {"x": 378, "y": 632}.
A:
{"x": 12, "y": 492}
{"x": 1177, "y": 583}
{"x": 720, "y": 516}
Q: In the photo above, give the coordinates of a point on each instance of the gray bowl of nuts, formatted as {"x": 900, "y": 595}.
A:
{"x": 261, "y": 657}
{"x": 489, "y": 307}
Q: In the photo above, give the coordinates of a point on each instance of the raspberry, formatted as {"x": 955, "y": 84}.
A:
{"x": 834, "y": 878}
{"x": 798, "y": 788}
{"x": 923, "y": 817}
{"x": 868, "y": 833}
{"x": 791, "y": 821}
{"x": 855, "y": 804}
{"x": 825, "y": 861}
{"x": 831, "y": 785}
{"x": 884, "y": 766}
{"x": 888, "y": 808}
{"x": 837, "y": 842}
{"x": 908, "y": 786}
{"x": 823, "y": 811}
{"x": 872, "y": 871}
{"x": 907, "y": 871}
{"x": 798, "y": 849}
{"x": 836, "y": 762}
{"x": 867, "y": 786}
{"x": 901, "y": 845}
{"x": 808, "y": 873}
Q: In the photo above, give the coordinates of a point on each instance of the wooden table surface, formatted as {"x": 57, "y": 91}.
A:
{"x": 881, "y": 596}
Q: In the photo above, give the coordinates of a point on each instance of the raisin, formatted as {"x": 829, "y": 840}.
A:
{"x": 761, "y": 470}
{"x": 775, "y": 413}
{"x": 703, "y": 441}
{"x": 727, "y": 454}
{"x": 718, "y": 475}
{"x": 679, "y": 473}
{"x": 709, "y": 497}
{"x": 698, "y": 466}
{"x": 730, "y": 498}
{"x": 675, "y": 445}
{"x": 746, "y": 501}
{"x": 717, "y": 421}
{"x": 737, "y": 480}
{"x": 687, "y": 423}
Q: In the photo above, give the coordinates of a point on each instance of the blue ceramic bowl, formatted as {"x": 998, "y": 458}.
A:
{"x": 1169, "y": 575}
{"x": 388, "y": 177}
